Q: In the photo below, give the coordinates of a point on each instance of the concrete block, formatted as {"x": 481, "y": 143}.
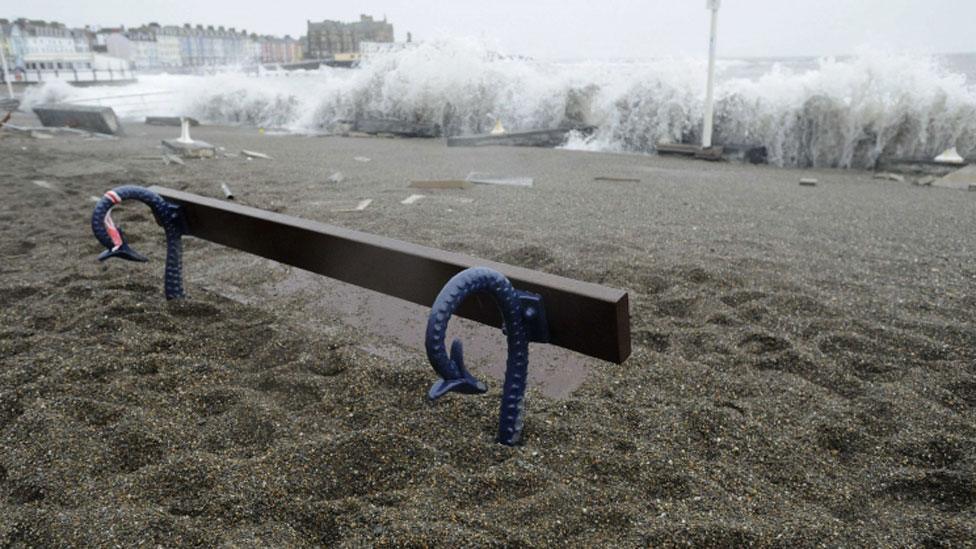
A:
{"x": 442, "y": 184}
{"x": 191, "y": 149}
{"x": 963, "y": 179}
{"x": 537, "y": 138}
{"x": 93, "y": 119}
{"x": 396, "y": 127}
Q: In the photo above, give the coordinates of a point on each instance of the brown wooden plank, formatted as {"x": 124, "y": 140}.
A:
{"x": 587, "y": 318}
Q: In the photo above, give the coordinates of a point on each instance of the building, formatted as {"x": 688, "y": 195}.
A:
{"x": 327, "y": 39}
{"x": 40, "y": 45}
{"x": 156, "y": 47}
{"x": 280, "y": 50}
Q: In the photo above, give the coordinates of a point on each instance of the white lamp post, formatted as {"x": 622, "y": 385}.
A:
{"x": 6, "y": 74}
{"x": 710, "y": 91}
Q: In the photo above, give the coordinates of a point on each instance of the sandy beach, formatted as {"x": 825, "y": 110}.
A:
{"x": 804, "y": 366}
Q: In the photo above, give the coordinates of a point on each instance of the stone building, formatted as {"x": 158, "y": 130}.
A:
{"x": 327, "y": 39}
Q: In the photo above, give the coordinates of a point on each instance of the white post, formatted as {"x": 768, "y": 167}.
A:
{"x": 6, "y": 73}
{"x": 184, "y": 131}
{"x": 710, "y": 91}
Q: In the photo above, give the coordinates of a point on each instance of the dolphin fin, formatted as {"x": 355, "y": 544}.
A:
{"x": 123, "y": 252}
{"x": 465, "y": 383}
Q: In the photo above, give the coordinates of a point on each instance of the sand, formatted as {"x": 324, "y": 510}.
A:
{"x": 804, "y": 368}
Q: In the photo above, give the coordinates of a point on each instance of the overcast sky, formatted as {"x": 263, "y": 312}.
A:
{"x": 575, "y": 29}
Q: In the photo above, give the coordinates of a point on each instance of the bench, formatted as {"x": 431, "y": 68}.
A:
{"x": 530, "y": 306}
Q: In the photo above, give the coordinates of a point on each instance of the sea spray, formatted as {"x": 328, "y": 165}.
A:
{"x": 846, "y": 113}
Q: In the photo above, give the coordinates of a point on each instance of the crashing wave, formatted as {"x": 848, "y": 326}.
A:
{"x": 841, "y": 113}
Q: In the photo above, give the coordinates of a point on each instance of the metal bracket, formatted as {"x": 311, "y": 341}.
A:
{"x": 534, "y": 316}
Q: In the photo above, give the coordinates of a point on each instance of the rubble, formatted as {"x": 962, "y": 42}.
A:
{"x": 889, "y": 177}
{"x": 253, "y": 154}
{"x": 187, "y": 147}
{"x": 440, "y": 184}
{"x": 489, "y": 179}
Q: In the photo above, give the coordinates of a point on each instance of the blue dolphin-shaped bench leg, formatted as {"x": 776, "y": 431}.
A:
{"x": 524, "y": 320}
{"x": 169, "y": 216}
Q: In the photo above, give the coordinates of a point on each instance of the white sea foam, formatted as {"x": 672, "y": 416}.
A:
{"x": 839, "y": 113}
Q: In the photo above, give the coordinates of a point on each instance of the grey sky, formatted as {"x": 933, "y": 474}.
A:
{"x": 574, "y": 29}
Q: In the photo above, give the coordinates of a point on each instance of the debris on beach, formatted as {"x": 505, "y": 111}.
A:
{"x": 173, "y": 159}
{"x": 889, "y": 177}
{"x": 336, "y": 178}
{"x": 696, "y": 151}
{"x": 39, "y": 132}
{"x": 45, "y": 185}
{"x": 412, "y": 199}
{"x": 253, "y": 154}
{"x": 489, "y": 179}
{"x": 533, "y": 138}
{"x": 91, "y": 118}
{"x": 360, "y": 206}
{"x": 187, "y": 147}
{"x": 808, "y": 182}
{"x": 362, "y": 159}
{"x": 228, "y": 194}
{"x": 441, "y": 184}
{"x": 926, "y": 181}
{"x": 394, "y": 128}
{"x": 617, "y": 179}
{"x": 950, "y": 156}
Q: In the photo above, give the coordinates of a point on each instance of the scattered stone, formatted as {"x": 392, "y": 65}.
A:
{"x": 193, "y": 149}
{"x": 173, "y": 159}
{"x": 889, "y": 177}
{"x": 441, "y": 184}
{"x": 396, "y": 128}
{"x": 336, "y": 178}
{"x": 170, "y": 121}
{"x": 361, "y": 159}
{"x": 45, "y": 185}
{"x": 93, "y": 198}
{"x": 488, "y": 179}
{"x": 41, "y": 135}
{"x": 362, "y": 205}
{"x": 253, "y": 154}
{"x": 536, "y": 138}
{"x": 696, "y": 151}
{"x": 412, "y": 199}
{"x": 926, "y": 181}
{"x": 808, "y": 182}
{"x": 617, "y": 179}
{"x": 95, "y": 119}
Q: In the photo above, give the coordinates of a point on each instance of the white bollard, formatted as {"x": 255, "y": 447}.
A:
{"x": 184, "y": 131}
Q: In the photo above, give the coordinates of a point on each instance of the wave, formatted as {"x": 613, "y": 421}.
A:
{"x": 845, "y": 113}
